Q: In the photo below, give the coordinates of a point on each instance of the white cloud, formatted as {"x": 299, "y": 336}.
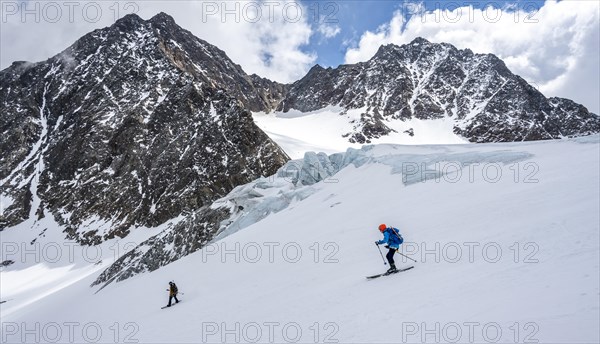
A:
{"x": 329, "y": 31}
{"x": 556, "y": 48}
{"x": 265, "y": 37}
{"x": 266, "y": 40}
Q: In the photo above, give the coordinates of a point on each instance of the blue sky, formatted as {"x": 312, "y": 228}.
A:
{"x": 355, "y": 17}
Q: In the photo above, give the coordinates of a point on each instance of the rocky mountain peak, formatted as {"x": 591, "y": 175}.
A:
{"x": 134, "y": 125}
{"x": 429, "y": 81}
{"x": 419, "y": 41}
{"x": 163, "y": 19}
{"x": 315, "y": 71}
{"x": 129, "y": 22}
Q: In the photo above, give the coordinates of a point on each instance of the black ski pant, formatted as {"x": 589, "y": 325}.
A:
{"x": 390, "y": 256}
{"x": 171, "y": 297}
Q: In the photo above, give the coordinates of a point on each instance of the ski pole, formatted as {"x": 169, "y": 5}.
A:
{"x": 381, "y": 253}
{"x": 400, "y": 253}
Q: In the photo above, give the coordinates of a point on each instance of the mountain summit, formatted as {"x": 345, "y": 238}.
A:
{"x": 430, "y": 81}
{"x": 132, "y": 125}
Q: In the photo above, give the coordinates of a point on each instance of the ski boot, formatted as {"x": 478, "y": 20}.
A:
{"x": 392, "y": 269}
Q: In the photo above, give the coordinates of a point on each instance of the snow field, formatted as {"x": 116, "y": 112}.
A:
{"x": 508, "y": 259}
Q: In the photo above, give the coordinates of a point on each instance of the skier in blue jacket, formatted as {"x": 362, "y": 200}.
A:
{"x": 392, "y": 240}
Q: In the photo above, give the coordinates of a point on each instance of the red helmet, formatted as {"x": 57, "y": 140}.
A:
{"x": 382, "y": 227}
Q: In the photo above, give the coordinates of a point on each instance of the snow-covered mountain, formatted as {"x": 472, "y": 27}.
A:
{"x": 132, "y": 125}
{"x": 506, "y": 238}
{"x": 421, "y": 80}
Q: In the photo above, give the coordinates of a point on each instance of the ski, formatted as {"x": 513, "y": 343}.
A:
{"x": 163, "y": 307}
{"x": 391, "y": 273}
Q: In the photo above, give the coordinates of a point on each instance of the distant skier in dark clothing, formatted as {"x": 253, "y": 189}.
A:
{"x": 392, "y": 240}
{"x": 172, "y": 293}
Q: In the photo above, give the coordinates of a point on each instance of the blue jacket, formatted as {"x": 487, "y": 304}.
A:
{"x": 391, "y": 237}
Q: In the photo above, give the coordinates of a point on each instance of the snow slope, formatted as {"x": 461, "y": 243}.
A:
{"x": 506, "y": 238}
{"x": 46, "y": 263}
{"x": 298, "y": 132}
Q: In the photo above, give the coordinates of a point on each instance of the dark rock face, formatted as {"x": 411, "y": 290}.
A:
{"x": 430, "y": 81}
{"x": 184, "y": 238}
{"x": 135, "y": 124}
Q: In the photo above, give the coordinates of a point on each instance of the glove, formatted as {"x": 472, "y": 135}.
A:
{"x": 387, "y": 246}
{"x": 377, "y": 243}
